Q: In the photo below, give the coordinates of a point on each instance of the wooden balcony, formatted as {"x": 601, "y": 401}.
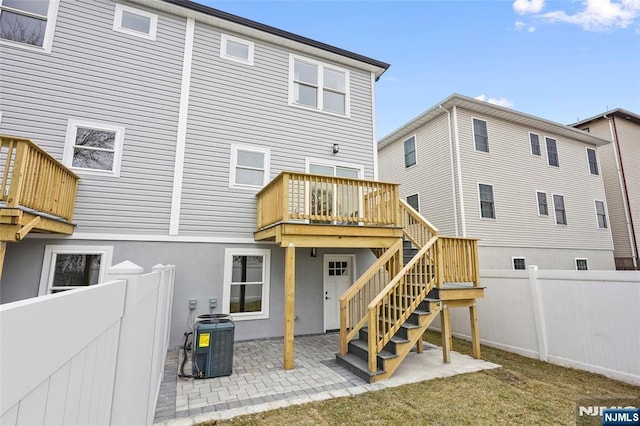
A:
{"x": 38, "y": 192}
{"x": 325, "y": 211}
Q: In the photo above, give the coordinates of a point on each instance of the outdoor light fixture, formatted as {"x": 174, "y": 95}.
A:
{"x": 314, "y": 252}
{"x": 336, "y": 148}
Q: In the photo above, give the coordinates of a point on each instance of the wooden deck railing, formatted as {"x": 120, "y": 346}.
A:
{"x": 415, "y": 227}
{"x": 354, "y": 302}
{"x": 460, "y": 260}
{"x": 327, "y": 199}
{"x": 32, "y": 178}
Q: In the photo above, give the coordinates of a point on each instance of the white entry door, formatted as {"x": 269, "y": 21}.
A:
{"x": 338, "y": 277}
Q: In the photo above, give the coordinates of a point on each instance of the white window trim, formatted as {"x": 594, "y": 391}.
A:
{"x": 321, "y": 66}
{"x": 47, "y": 43}
{"x": 473, "y": 133}
{"x": 48, "y": 264}
{"x": 586, "y": 152}
{"x": 117, "y": 21}
{"x": 70, "y": 140}
{"x": 415, "y": 144}
{"x": 226, "y": 290}
{"x": 553, "y": 204}
{"x": 575, "y": 263}
{"x": 539, "y": 145}
{"x": 606, "y": 214}
{"x": 538, "y": 206}
{"x": 330, "y": 163}
{"x": 234, "y": 162}
{"x": 547, "y": 151}
{"x": 513, "y": 265}
{"x": 411, "y": 195}
{"x": 493, "y": 192}
{"x": 223, "y": 49}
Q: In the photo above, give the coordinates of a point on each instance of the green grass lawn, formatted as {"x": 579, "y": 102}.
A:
{"x": 523, "y": 391}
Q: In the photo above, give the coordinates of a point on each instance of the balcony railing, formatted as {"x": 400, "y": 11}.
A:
{"x": 34, "y": 179}
{"x": 320, "y": 199}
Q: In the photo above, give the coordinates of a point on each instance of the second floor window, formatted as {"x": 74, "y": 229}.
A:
{"x": 534, "y": 141}
{"x": 593, "y": 161}
{"x": 410, "y": 152}
{"x": 480, "y": 135}
{"x": 93, "y": 148}
{"x": 543, "y": 207}
{"x": 552, "y": 152}
{"x": 249, "y": 167}
{"x": 29, "y": 23}
{"x": 319, "y": 86}
{"x": 487, "y": 207}
{"x": 414, "y": 201}
{"x": 558, "y": 206}
{"x": 601, "y": 214}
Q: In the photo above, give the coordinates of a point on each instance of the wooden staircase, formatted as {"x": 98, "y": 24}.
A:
{"x": 384, "y": 314}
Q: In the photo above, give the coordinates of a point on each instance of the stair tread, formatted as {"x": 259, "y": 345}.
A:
{"x": 359, "y": 363}
{"x": 384, "y": 354}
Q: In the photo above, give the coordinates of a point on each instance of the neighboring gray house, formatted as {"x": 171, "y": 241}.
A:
{"x": 175, "y": 115}
{"x": 620, "y": 168}
{"x": 525, "y": 186}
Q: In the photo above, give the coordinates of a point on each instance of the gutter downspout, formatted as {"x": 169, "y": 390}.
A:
{"x": 453, "y": 179}
{"x": 623, "y": 187}
{"x": 459, "y": 172}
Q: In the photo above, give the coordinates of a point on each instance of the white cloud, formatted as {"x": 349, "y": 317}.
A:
{"x": 523, "y": 7}
{"x": 600, "y": 15}
{"x": 521, "y": 26}
{"x": 503, "y": 102}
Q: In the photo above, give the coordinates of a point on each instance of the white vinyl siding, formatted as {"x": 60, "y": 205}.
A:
{"x": 480, "y": 135}
{"x": 28, "y": 24}
{"x": 93, "y": 148}
{"x": 318, "y": 86}
{"x": 236, "y": 49}
{"x": 66, "y": 267}
{"x": 543, "y": 205}
{"x": 559, "y": 209}
{"x": 246, "y": 280}
{"x": 249, "y": 167}
{"x": 552, "y": 152}
{"x": 601, "y": 214}
{"x": 486, "y": 201}
{"x": 534, "y": 142}
{"x": 592, "y": 161}
{"x": 131, "y": 20}
{"x": 410, "y": 156}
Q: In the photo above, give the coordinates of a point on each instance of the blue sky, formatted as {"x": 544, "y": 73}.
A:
{"x": 560, "y": 60}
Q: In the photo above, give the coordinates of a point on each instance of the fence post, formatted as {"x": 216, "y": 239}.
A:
{"x": 538, "y": 312}
{"x": 129, "y": 402}
{"x": 159, "y": 350}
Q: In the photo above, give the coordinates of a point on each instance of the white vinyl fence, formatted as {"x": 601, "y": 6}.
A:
{"x": 582, "y": 319}
{"x": 90, "y": 356}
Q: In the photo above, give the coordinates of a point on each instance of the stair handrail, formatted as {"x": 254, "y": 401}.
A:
{"x": 354, "y": 301}
{"x": 398, "y": 287}
{"x": 414, "y": 226}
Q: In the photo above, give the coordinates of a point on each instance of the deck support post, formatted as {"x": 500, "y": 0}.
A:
{"x": 289, "y": 304}
{"x": 475, "y": 333}
{"x": 3, "y": 250}
{"x": 445, "y": 327}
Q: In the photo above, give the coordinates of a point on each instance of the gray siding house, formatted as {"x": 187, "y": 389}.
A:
{"x": 525, "y": 186}
{"x": 175, "y": 115}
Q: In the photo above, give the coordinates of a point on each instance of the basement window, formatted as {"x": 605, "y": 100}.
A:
{"x": 519, "y": 263}
{"x": 582, "y": 264}
{"x": 245, "y": 293}
{"x": 69, "y": 267}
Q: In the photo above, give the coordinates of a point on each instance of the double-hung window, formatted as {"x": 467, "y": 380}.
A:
{"x": 601, "y": 214}
{"x": 410, "y": 152}
{"x": 543, "y": 207}
{"x": 592, "y": 160}
{"x": 487, "y": 207}
{"x": 245, "y": 293}
{"x": 480, "y": 135}
{"x": 134, "y": 21}
{"x": 414, "y": 201}
{"x": 319, "y": 86}
{"x": 534, "y": 141}
{"x": 249, "y": 167}
{"x": 29, "y": 23}
{"x": 552, "y": 152}
{"x": 93, "y": 148}
{"x": 67, "y": 267}
{"x": 558, "y": 207}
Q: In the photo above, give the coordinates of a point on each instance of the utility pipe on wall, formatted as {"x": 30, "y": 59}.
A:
{"x": 453, "y": 179}
{"x": 460, "y": 191}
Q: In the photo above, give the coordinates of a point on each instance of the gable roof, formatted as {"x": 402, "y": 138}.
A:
{"x": 258, "y": 30}
{"x": 491, "y": 110}
{"x": 618, "y": 112}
